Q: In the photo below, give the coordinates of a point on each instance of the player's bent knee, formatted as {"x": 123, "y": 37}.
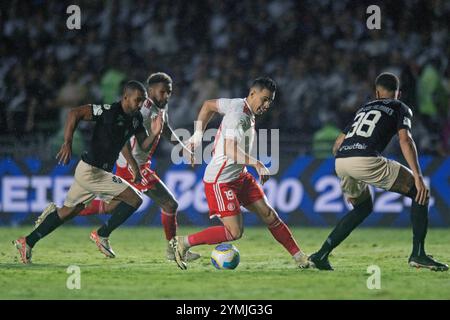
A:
{"x": 365, "y": 197}
{"x": 175, "y": 205}
{"x": 271, "y": 217}
{"x": 133, "y": 199}
{"x": 404, "y": 183}
{"x": 412, "y": 193}
{"x": 137, "y": 202}
{"x": 171, "y": 206}
{"x": 130, "y": 197}
{"x": 66, "y": 213}
{"x": 235, "y": 233}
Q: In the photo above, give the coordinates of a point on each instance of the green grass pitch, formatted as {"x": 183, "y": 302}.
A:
{"x": 266, "y": 271}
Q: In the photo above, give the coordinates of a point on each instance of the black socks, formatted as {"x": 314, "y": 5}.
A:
{"x": 50, "y": 223}
{"x": 119, "y": 215}
{"x": 419, "y": 219}
{"x": 345, "y": 226}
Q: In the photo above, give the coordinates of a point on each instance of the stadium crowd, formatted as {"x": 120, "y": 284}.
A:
{"x": 320, "y": 52}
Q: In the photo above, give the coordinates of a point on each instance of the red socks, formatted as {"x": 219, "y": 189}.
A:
{"x": 169, "y": 222}
{"x": 219, "y": 234}
{"x": 95, "y": 207}
{"x": 212, "y": 235}
{"x": 283, "y": 235}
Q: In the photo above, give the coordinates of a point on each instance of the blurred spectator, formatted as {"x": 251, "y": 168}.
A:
{"x": 323, "y": 139}
{"x": 72, "y": 94}
{"x": 320, "y": 52}
{"x": 111, "y": 83}
{"x": 432, "y": 94}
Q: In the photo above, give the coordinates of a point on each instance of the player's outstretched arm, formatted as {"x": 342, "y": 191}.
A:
{"x": 207, "y": 111}
{"x": 238, "y": 155}
{"x": 338, "y": 142}
{"x": 170, "y": 135}
{"x": 73, "y": 118}
{"x": 409, "y": 151}
{"x": 131, "y": 162}
{"x": 145, "y": 140}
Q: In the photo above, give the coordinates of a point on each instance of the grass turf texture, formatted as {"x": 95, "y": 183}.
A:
{"x": 266, "y": 271}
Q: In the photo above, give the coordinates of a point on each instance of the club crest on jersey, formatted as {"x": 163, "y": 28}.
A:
{"x": 231, "y": 206}
{"x": 97, "y": 109}
{"x": 147, "y": 103}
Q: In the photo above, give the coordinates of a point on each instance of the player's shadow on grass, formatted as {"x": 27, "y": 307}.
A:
{"x": 19, "y": 265}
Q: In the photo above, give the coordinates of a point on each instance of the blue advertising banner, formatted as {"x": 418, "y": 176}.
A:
{"x": 305, "y": 192}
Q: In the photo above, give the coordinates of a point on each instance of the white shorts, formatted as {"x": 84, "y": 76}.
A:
{"x": 357, "y": 172}
{"x": 91, "y": 182}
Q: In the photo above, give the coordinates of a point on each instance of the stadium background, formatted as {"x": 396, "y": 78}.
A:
{"x": 321, "y": 54}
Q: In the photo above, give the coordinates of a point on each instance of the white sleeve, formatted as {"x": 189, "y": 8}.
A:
{"x": 223, "y": 105}
{"x": 166, "y": 116}
{"x": 232, "y": 126}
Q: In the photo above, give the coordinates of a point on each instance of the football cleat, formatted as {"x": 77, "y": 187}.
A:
{"x": 427, "y": 261}
{"x": 24, "y": 250}
{"x": 301, "y": 260}
{"x": 179, "y": 251}
{"x": 49, "y": 209}
{"x": 322, "y": 264}
{"x": 102, "y": 244}
{"x": 190, "y": 256}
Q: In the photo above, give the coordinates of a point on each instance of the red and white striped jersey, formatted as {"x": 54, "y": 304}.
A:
{"x": 238, "y": 123}
{"x": 149, "y": 111}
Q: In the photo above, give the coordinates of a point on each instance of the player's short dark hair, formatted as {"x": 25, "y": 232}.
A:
{"x": 388, "y": 81}
{"x": 265, "y": 83}
{"x": 158, "y": 77}
{"x": 134, "y": 85}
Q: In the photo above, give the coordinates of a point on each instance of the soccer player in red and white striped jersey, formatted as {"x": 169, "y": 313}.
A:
{"x": 228, "y": 185}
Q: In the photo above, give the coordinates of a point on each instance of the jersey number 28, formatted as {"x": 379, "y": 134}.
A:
{"x": 364, "y": 124}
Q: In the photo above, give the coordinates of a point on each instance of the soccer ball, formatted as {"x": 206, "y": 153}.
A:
{"x": 225, "y": 256}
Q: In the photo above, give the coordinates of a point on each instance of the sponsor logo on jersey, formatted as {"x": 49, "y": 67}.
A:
{"x": 354, "y": 146}
{"x": 116, "y": 179}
